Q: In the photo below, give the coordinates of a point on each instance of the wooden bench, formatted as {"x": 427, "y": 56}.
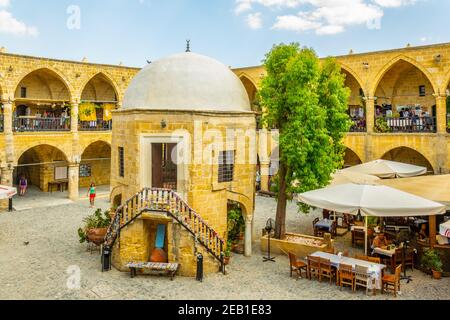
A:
{"x": 169, "y": 268}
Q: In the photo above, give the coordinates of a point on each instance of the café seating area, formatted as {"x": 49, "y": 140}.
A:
{"x": 336, "y": 269}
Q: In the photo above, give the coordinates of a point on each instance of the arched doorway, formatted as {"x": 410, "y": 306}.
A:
{"x": 351, "y": 158}
{"x": 410, "y": 156}
{"x": 42, "y": 99}
{"x": 95, "y": 166}
{"x": 356, "y": 103}
{"x": 405, "y": 100}
{"x": 98, "y": 99}
{"x": 252, "y": 92}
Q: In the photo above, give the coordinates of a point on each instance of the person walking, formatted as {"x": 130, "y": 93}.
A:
{"x": 23, "y": 186}
{"x": 92, "y": 194}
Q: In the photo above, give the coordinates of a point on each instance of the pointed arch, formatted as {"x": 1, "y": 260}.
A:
{"x": 408, "y": 155}
{"x": 102, "y": 76}
{"x": 250, "y": 87}
{"x": 50, "y": 73}
{"x": 350, "y": 71}
{"x": 386, "y": 68}
{"x": 351, "y": 158}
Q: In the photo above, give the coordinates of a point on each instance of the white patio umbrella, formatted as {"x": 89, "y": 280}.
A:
{"x": 371, "y": 200}
{"x": 388, "y": 169}
{"x": 444, "y": 229}
{"x": 7, "y": 192}
{"x": 345, "y": 177}
{"x": 436, "y": 188}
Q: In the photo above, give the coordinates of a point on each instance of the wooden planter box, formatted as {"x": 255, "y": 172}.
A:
{"x": 289, "y": 245}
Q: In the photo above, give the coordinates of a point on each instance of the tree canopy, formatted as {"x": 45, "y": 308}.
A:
{"x": 307, "y": 100}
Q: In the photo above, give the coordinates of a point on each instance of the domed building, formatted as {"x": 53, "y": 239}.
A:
{"x": 183, "y": 152}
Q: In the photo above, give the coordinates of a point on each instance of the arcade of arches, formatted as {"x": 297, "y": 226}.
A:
{"x": 398, "y": 100}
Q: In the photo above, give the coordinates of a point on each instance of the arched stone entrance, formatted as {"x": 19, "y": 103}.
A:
{"x": 351, "y": 158}
{"x": 410, "y": 156}
{"x": 405, "y": 100}
{"x": 356, "y": 103}
{"x": 95, "y": 166}
{"x": 98, "y": 99}
{"x": 42, "y": 98}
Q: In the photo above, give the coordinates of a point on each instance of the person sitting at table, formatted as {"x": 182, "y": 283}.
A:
{"x": 423, "y": 233}
{"x": 380, "y": 241}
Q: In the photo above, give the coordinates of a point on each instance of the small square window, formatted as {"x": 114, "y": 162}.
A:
{"x": 226, "y": 166}
{"x": 121, "y": 162}
{"x": 422, "y": 91}
{"x": 23, "y": 92}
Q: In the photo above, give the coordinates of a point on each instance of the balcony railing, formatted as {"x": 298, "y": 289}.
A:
{"x": 95, "y": 125}
{"x": 407, "y": 125}
{"x": 33, "y": 124}
{"x": 359, "y": 125}
{"x": 2, "y": 126}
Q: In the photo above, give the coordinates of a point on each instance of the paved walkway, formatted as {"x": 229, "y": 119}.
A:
{"x": 40, "y": 253}
{"x": 35, "y": 198}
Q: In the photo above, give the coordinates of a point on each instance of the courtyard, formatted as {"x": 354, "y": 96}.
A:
{"x": 40, "y": 251}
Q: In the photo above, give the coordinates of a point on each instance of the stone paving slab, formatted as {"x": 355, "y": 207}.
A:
{"x": 43, "y": 268}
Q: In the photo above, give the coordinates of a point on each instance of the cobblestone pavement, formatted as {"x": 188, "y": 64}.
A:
{"x": 39, "y": 249}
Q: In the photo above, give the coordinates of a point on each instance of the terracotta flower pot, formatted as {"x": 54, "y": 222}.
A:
{"x": 437, "y": 275}
{"x": 97, "y": 236}
{"x": 226, "y": 260}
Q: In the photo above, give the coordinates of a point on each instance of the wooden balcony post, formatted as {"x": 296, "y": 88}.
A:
{"x": 432, "y": 231}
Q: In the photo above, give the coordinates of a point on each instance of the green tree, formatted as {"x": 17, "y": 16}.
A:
{"x": 306, "y": 99}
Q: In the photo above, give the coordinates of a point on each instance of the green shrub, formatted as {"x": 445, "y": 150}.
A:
{"x": 381, "y": 126}
{"x": 97, "y": 220}
{"x": 432, "y": 260}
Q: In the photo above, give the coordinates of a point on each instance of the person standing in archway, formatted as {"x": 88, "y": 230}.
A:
{"x": 92, "y": 194}
{"x": 23, "y": 185}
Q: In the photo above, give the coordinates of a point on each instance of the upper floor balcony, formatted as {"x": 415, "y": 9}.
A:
{"x": 359, "y": 124}
{"x": 40, "y": 124}
{"x": 98, "y": 125}
{"x": 414, "y": 124}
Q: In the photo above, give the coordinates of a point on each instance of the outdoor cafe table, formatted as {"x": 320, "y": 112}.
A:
{"x": 375, "y": 270}
{"x": 325, "y": 224}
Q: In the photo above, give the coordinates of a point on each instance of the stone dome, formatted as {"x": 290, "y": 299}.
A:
{"x": 187, "y": 82}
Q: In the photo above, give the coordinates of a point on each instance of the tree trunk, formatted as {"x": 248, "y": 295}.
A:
{"x": 280, "y": 225}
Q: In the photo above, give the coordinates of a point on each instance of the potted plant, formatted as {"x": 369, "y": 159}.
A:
{"x": 432, "y": 261}
{"x": 228, "y": 252}
{"x": 95, "y": 227}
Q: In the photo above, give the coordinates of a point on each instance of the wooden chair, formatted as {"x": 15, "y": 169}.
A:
{"x": 360, "y": 257}
{"x": 346, "y": 276}
{"x": 409, "y": 258}
{"x": 363, "y": 279}
{"x": 326, "y": 270}
{"x": 358, "y": 235}
{"x": 297, "y": 266}
{"x": 374, "y": 260}
{"x": 391, "y": 282}
{"x": 346, "y": 253}
{"x": 313, "y": 267}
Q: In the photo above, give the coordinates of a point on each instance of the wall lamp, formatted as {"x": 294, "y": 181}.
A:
{"x": 163, "y": 124}
{"x": 438, "y": 58}
{"x": 366, "y": 65}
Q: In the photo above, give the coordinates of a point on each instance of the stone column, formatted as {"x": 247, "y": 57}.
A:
{"x": 265, "y": 172}
{"x": 441, "y": 113}
{"x": 74, "y": 173}
{"x": 8, "y": 130}
{"x": 441, "y": 145}
{"x": 74, "y": 117}
{"x": 370, "y": 114}
{"x": 248, "y": 235}
{"x": 6, "y": 177}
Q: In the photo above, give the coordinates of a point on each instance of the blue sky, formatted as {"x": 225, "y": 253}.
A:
{"x": 236, "y": 32}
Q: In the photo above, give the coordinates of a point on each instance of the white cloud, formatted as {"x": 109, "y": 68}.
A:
{"x": 254, "y": 20}
{"x": 394, "y": 3}
{"x": 4, "y": 3}
{"x": 324, "y": 17}
{"x": 10, "y": 25}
